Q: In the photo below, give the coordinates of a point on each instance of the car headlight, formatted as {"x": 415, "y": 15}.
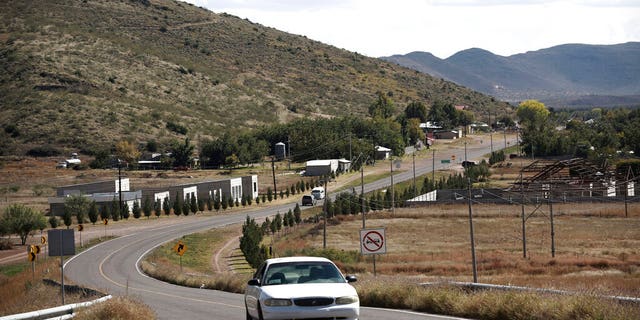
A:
{"x": 347, "y": 300}
{"x": 277, "y": 302}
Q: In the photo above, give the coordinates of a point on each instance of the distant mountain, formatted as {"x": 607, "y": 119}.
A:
{"x": 571, "y": 72}
{"x": 82, "y": 75}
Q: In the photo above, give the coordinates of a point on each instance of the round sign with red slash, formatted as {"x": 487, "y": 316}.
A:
{"x": 372, "y": 241}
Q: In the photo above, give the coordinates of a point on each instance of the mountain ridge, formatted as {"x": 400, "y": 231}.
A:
{"x": 567, "y": 71}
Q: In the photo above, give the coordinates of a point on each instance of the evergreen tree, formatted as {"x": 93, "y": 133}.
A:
{"x": 125, "y": 210}
{"x": 157, "y": 208}
{"x": 249, "y": 200}
{"x": 177, "y": 205}
{"x": 105, "y": 213}
{"x": 297, "y": 213}
{"x": 53, "y": 222}
{"x": 115, "y": 209}
{"x": 225, "y": 202}
{"x": 244, "y": 201}
{"x": 269, "y": 194}
{"x": 201, "y": 205}
{"x": 216, "y": 202}
{"x": 209, "y": 203}
{"x": 93, "y": 212}
{"x": 186, "y": 205}
{"x": 231, "y": 202}
{"x": 136, "y": 209}
{"x": 147, "y": 207}
{"x": 166, "y": 206}
{"x": 278, "y": 221}
{"x": 193, "y": 204}
{"x": 66, "y": 218}
{"x": 257, "y": 200}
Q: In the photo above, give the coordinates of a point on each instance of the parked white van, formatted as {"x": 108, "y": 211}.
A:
{"x": 318, "y": 193}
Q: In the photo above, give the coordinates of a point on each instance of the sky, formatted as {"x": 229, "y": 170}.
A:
{"x": 377, "y": 28}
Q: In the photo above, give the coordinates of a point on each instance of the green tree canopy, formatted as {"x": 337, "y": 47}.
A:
{"x": 21, "y": 220}
{"x": 382, "y": 107}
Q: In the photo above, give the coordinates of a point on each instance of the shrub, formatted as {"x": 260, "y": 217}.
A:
{"x": 44, "y": 151}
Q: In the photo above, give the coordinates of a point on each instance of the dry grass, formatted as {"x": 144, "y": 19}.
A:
{"x": 596, "y": 246}
{"x": 22, "y": 290}
{"x": 118, "y": 308}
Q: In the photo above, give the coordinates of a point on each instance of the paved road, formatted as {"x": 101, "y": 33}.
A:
{"x": 112, "y": 266}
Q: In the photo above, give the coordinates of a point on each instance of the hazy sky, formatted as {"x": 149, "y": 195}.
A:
{"x": 443, "y": 27}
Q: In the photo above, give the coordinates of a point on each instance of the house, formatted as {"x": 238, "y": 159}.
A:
{"x": 344, "y": 165}
{"x": 93, "y": 187}
{"x": 382, "y": 153}
{"x": 448, "y": 134}
{"x": 102, "y": 199}
{"x": 320, "y": 167}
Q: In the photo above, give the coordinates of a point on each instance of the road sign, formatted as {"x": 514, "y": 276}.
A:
{"x": 445, "y": 161}
{"x": 180, "y": 248}
{"x": 31, "y": 256}
{"x": 175, "y": 246}
{"x": 43, "y": 240}
{"x": 372, "y": 241}
{"x": 453, "y": 157}
{"x": 80, "y": 227}
{"x": 105, "y": 221}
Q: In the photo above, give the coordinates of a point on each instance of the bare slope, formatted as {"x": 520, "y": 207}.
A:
{"x": 83, "y": 74}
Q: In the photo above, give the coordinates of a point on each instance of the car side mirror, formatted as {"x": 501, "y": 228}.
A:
{"x": 254, "y": 282}
{"x": 351, "y": 278}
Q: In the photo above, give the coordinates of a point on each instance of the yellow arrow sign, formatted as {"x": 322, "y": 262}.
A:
{"x": 43, "y": 240}
{"x": 80, "y": 227}
{"x": 31, "y": 256}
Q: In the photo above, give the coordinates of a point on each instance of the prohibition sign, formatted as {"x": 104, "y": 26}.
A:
{"x": 372, "y": 241}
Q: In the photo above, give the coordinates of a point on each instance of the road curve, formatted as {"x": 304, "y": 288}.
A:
{"x": 112, "y": 266}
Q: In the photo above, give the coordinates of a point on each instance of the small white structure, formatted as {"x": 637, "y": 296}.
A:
{"x": 382, "y": 153}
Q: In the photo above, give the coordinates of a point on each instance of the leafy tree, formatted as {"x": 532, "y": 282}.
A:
{"x": 93, "y": 212}
{"x": 127, "y": 151}
{"x": 416, "y": 110}
{"x": 182, "y": 153}
{"x": 382, "y": 107}
{"x": 414, "y": 132}
{"x": 77, "y": 206}
{"x": 444, "y": 114}
{"x": 21, "y": 220}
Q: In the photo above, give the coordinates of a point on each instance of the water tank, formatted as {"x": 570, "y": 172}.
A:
{"x": 281, "y": 151}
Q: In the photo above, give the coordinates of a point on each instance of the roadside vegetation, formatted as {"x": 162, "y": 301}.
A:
{"x": 121, "y": 308}
{"x": 438, "y": 253}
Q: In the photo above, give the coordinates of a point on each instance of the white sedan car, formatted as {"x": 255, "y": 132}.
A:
{"x": 301, "y": 288}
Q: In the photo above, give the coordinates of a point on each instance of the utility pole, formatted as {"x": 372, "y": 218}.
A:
{"x": 289, "y": 152}
{"x": 324, "y": 210}
{"x": 393, "y": 206}
{"x": 524, "y": 228}
{"x": 362, "y": 193}
{"x": 473, "y": 246}
{"x": 414, "y": 175}
{"x": 273, "y": 170}
{"x": 433, "y": 167}
{"x": 119, "y": 213}
{"x": 553, "y": 234}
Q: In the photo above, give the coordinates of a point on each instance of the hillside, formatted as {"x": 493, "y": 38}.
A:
{"x": 83, "y": 74}
{"x": 573, "y": 73}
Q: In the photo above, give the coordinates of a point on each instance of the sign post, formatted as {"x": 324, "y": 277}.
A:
{"x": 80, "y": 228}
{"x": 372, "y": 241}
{"x": 180, "y": 248}
{"x": 61, "y": 243}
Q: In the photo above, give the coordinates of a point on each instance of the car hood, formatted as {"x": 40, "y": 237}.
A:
{"x": 285, "y": 291}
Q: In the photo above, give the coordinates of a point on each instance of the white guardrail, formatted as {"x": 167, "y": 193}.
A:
{"x": 61, "y": 312}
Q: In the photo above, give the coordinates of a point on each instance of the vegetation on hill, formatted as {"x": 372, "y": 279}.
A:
{"x": 82, "y": 75}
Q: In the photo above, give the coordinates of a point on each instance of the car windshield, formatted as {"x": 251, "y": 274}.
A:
{"x": 302, "y": 272}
